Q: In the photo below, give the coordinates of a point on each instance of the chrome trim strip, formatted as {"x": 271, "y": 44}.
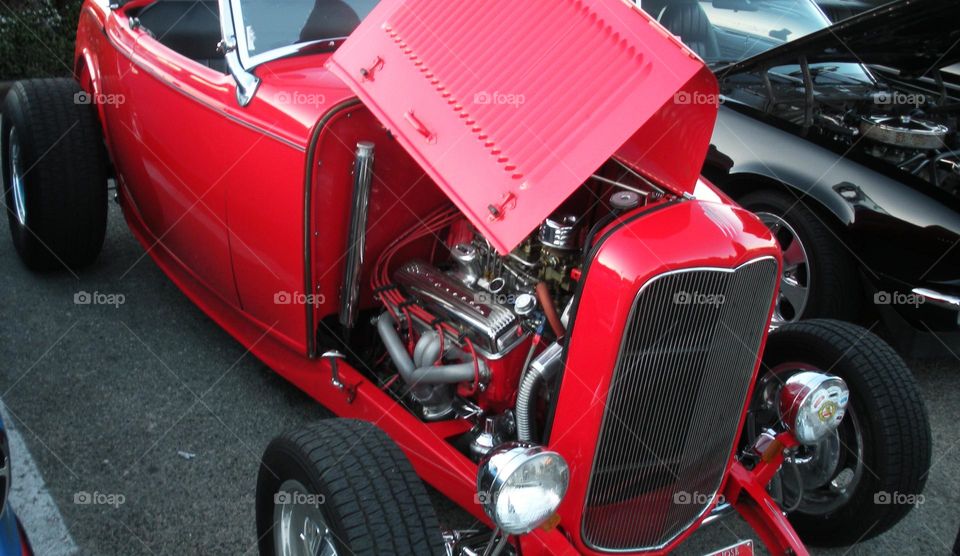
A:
{"x": 133, "y": 60}
{"x": 687, "y": 377}
{"x": 942, "y": 300}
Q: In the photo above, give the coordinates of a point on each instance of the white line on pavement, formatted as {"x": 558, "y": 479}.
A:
{"x": 31, "y": 500}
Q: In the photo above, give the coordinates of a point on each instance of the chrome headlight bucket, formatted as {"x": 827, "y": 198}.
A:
{"x": 813, "y": 404}
{"x": 521, "y": 485}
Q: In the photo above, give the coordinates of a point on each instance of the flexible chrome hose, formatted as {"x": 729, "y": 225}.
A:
{"x": 543, "y": 368}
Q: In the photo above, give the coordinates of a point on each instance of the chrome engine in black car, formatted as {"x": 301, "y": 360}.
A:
{"x": 908, "y": 128}
{"x": 917, "y": 139}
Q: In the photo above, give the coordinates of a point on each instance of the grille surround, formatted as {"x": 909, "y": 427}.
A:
{"x": 639, "y": 512}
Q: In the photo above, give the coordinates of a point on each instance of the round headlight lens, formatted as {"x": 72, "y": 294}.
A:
{"x": 521, "y": 486}
{"x": 813, "y": 404}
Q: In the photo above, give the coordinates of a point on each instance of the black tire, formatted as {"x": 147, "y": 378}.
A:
{"x": 373, "y": 501}
{"x": 893, "y": 420}
{"x": 833, "y": 279}
{"x": 65, "y": 173}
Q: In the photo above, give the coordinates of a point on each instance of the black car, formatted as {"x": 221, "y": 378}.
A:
{"x": 837, "y": 10}
{"x": 843, "y": 139}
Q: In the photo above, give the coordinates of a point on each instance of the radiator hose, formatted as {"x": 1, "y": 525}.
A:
{"x": 542, "y": 369}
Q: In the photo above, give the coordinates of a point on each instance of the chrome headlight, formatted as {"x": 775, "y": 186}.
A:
{"x": 520, "y": 486}
{"x": 812, "y": 405}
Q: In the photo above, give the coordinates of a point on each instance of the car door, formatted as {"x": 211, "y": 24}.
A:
{"x": 181, "y": 152}
{"x": 217, "y": 184}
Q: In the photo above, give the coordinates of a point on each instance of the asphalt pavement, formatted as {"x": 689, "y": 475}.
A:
{"x": 144, "y": 422}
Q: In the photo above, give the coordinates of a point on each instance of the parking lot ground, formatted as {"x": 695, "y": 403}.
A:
{"x": 145, "y": 421}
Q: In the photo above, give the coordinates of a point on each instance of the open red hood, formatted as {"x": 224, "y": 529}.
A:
{"x": 510, "y": 105}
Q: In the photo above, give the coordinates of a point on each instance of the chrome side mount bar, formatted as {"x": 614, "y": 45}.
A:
{"x": 356, "y": 240}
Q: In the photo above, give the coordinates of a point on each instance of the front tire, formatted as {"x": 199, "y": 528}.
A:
{"x": 882, "y": 448}
{"x": 54, "y": 174}
{"x": 342, "y": 487}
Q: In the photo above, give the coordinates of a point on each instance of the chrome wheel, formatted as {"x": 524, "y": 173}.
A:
{"x": 795, "y": 280}
{"x": 819, "y": 479}
{"x": 830, "y": 471}
{"x": 299, "y": 528}
{"x": 16, "y": 179}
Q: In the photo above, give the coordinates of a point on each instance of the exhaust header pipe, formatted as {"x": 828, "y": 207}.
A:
{"x": 356, "y": 241}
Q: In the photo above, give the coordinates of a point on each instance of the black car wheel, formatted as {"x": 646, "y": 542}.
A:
{"x": 342, "y": 487}
{"x": 860, "y": 481}
{"x": 54, "y": 174}
{"x": 819, "y": 277}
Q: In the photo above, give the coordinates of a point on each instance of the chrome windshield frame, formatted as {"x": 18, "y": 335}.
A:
{"x": 249, "y": 62}
{"x": 233, "y": 44}
{"x": 247, "y": 82}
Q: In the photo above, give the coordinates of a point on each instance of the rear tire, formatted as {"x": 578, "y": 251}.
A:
{"x": 890, "y": 417}
{"x": 54, "y": 174}
{"x": 366, "y": 492}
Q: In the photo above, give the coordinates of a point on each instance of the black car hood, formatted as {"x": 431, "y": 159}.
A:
{"x": 912, "y": 36}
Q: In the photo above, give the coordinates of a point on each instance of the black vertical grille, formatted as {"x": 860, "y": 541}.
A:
{"x": 675, "y": 400}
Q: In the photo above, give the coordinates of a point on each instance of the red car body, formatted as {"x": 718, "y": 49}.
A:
{"x": 238, "y": 204}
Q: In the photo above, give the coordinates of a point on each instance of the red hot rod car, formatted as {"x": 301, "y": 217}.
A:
{"x": 476, "y": 232}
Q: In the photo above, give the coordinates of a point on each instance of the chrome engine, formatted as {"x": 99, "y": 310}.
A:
{"x": 493, "y": 299}
{"x": 494, "y": 310}
{"x": 547, "y": 256}
{"x": 914, "y": 141}
{"x": 476, "y": 334}
{"x": 905, "y": 126}
{"x": 492, "y": 327}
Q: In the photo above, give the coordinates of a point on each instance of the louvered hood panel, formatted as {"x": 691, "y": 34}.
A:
{"x": 510, "y": 106}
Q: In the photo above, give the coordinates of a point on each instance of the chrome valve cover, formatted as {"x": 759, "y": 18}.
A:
{"x": 493, "y": 328}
